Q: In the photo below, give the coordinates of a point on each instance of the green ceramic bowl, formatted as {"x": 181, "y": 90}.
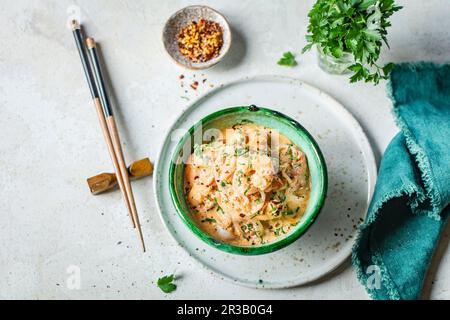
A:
{"x": 264, "y": 117}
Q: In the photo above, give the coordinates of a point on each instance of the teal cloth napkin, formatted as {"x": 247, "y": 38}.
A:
{"x": 410, "y": 205}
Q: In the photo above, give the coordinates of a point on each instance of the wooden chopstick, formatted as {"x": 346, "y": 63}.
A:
{"x": 108, "y": 112}
{"x": 79, "y": 39}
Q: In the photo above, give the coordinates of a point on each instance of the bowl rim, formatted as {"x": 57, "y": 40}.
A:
{"x": 270, "y": 247}
{"x": 207, "y": 64}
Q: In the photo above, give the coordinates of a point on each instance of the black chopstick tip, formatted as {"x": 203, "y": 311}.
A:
{"x": 75, "y": 25}
{"x": 90, "y": 42}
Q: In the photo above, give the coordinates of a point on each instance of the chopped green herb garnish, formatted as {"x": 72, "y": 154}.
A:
{"x": 241, "y": 151}
{"x": 210, "y": 220}
{"x": 290, "y": 153}
{"x": 240, "y": 174}
{"x": 282, "y": 197}
{"x": 279, "y": 231}
{"x": 289, "y": 213}
{"x": 255, "y": 215}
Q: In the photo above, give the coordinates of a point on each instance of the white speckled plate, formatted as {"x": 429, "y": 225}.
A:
{"x": 352, "y": 175}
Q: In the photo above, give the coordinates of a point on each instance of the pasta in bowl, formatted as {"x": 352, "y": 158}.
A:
{"x": 248, "y": 180}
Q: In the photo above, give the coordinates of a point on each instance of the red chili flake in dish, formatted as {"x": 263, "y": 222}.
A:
{"x": 201, "y": 41}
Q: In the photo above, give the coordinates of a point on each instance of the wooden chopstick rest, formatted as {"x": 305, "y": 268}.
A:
{"x": 108, "y": 181}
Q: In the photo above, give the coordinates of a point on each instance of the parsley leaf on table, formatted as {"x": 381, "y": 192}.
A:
{"x": 166, "y": 284}
{"x": 288, "y": 60}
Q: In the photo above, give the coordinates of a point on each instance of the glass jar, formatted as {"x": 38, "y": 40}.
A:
{"x": 333, "y": 65}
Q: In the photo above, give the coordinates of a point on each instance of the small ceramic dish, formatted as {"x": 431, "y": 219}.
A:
{"x": 183, "y": 18}
{"x": 264, "y": 117}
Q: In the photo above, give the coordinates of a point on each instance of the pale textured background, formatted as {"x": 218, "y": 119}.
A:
{"x": 51, "y": 141}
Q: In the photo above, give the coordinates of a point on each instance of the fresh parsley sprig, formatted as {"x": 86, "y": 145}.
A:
{"x": 166, "y": 284}
{"x": 288, "y": 60}
{"x": 358, "y": 27}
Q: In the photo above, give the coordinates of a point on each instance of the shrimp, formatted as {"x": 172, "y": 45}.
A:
{"x": 199, "y": 175}
{"x": 198, "y": 194}
{"x": 264, "y": 172}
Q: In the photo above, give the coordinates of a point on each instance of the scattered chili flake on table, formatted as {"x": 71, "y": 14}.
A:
{"x": 194, "y": 85}
{"x": 201, "y": 41}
